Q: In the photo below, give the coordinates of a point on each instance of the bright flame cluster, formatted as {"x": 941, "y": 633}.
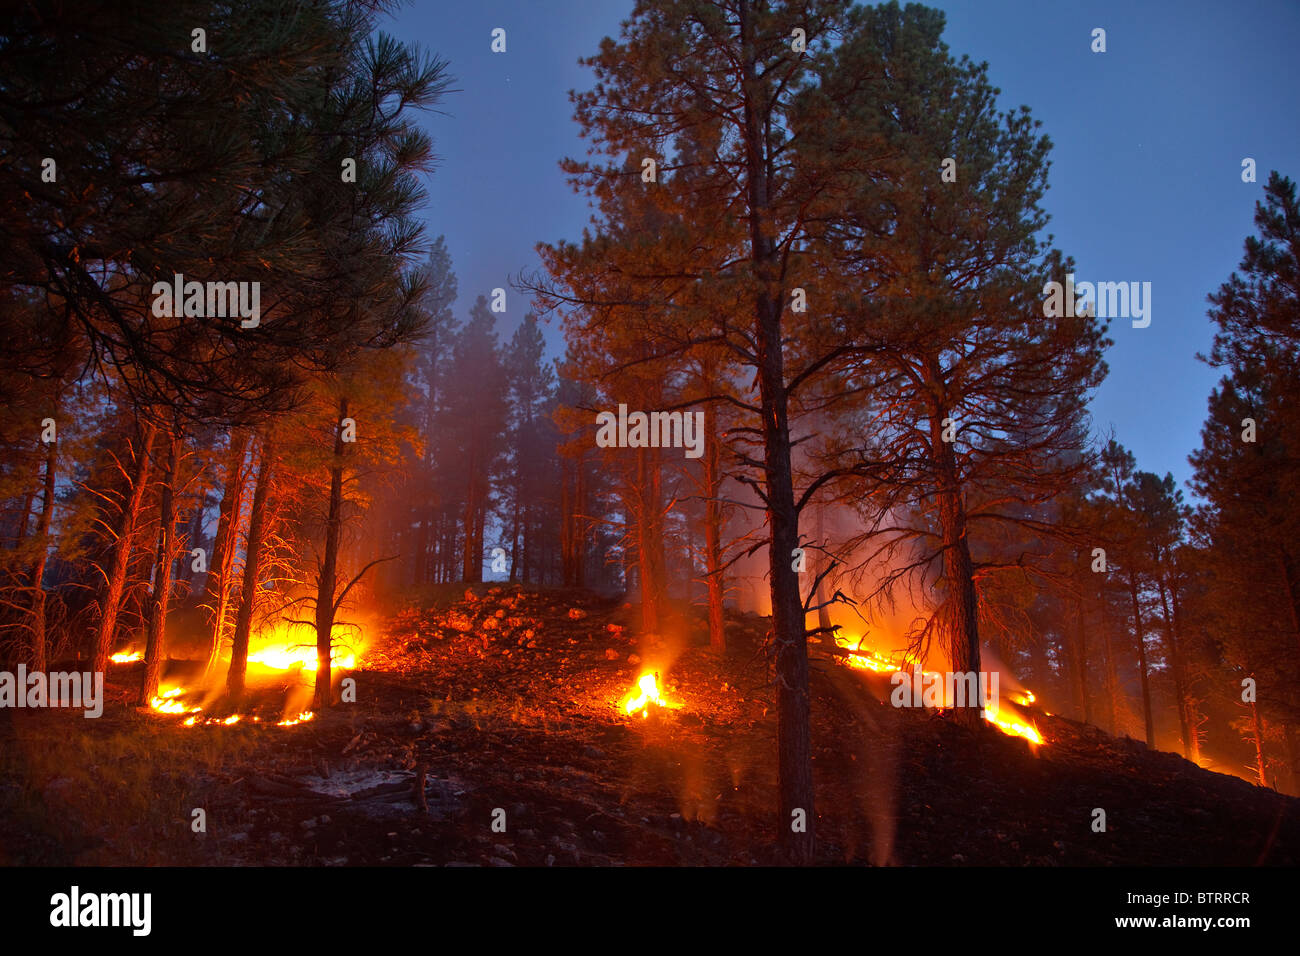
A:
{"x": 284, "y": 657}
{"x": 1009, "y": 725}
{"x": 166, "y": 702}
{"x": 1004, "y": 721}
{"x": 648, "y": 685}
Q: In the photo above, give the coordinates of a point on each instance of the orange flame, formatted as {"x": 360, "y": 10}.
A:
{"x": 1005, "y": 720}
{"x": 648, "y": 684}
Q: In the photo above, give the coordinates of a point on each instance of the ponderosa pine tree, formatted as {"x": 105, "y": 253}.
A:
{"x": 705, "y": 91}
{"x": 971, "y": 398}
{"x": 1246, "y": 470}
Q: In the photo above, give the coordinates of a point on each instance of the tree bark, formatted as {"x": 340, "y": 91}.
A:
{"x": 1185, "y": 720}
{"x": 115, "y": 580}
{"x": 1258, "y": 726}
{"x": 823, "y": 564}
{"x": 1081, "y": 660}
{"x": 221, "y": 569}
{"x": 1112, "y": 668}
{"x": 36, "y": 652}
{"x": 713, "y": 530}
{"x": 160, "y": 597}
{"x": 1142, "y": 659}
{"x": 962, "y": 641}
{"x": 326, "y": 584}
{"x": 248, "y": 590}
{"x": 794, "y": 744}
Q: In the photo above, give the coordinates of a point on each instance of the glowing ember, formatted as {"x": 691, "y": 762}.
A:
{"x": 648, "y": 684}
{"x": 301, "y": 718}
{"x": 126, "y": 657}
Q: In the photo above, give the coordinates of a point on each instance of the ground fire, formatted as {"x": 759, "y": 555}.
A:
{"x": 647, "y": 696}
{"x": 996, "y": 712}
{"x": 703, "y": 477}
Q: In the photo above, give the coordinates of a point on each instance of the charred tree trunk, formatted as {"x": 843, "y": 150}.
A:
{"x": 162, "y": 574}
{"x": 36, "y": 648}
{"x": 326, "y": 584}
{"x": 1142, "y": 659}
{"x": 252, "y": 567}
{"x": 115, "y": 579}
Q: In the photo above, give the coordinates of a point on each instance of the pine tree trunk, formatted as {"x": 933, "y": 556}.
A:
{"x": 37, "y": 646}
{"x": 514, "y": 534}
{"x": 472, "y": 569}
{"x": 1180, "y": 681}
{"x": 823, "y": 564}
{"x": 1258, "y": 727}
{"x": 713, "y": 530}
{"x": 222, "y": 566}
{"x": 645, "y": 507}
{"x": 20, "y": 533}
{"x": 1142, "y": 660}
{"x": 1292, "y": 754}
{"x": 327, "y": 582}
{"x": 160, "y": 598}
{"x": 115, "y": 580}
{"x": 962, "y": 641}
{"x": 579, "y": 519}
{"x": 252, "y": 568}
{"x": 794, "y": 744}
{"x": 1081, "y": 661}
{"x": 1112, "y": 666}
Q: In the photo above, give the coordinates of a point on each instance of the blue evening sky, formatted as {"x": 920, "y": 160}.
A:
{"x": 1146, "y": 166}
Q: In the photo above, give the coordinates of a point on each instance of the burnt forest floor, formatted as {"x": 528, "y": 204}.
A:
{"x": 507, "y": 703}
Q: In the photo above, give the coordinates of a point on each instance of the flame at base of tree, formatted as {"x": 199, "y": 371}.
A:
{"x": 999, "y": 715}
{"x": 276, "y": 651}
